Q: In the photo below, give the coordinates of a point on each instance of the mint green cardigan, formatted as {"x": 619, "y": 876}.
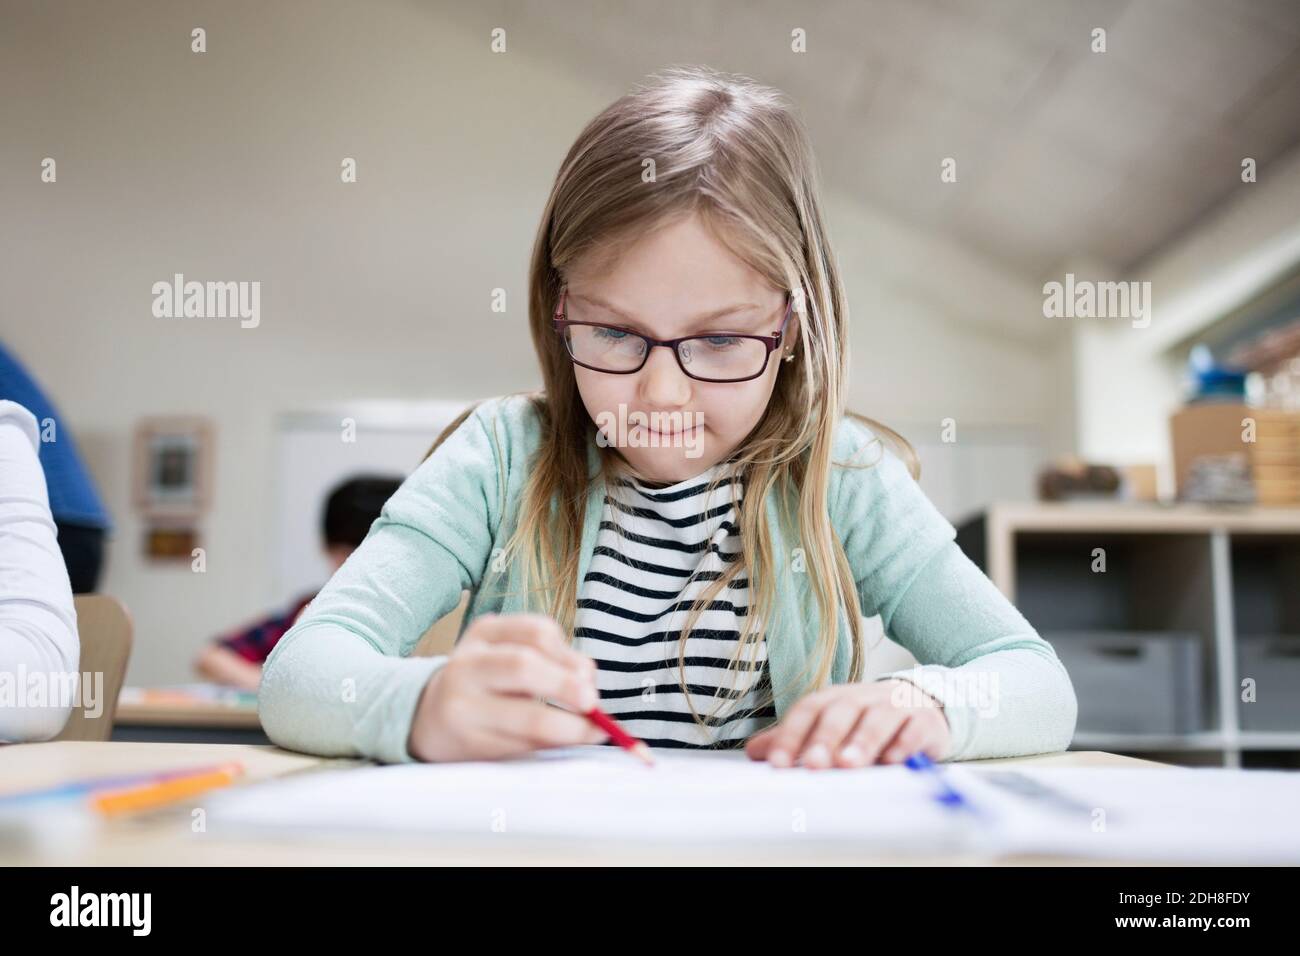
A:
{"x": 342, "y": 681}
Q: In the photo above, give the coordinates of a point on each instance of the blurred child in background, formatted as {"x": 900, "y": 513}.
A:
{"x": 351, "y": 508}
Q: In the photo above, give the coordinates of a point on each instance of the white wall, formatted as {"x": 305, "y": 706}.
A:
{"x": 226, "y": 166}
{"x": 312, "y": 458}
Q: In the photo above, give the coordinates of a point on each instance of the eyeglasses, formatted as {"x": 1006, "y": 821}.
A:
{"x": 721, "y": 357}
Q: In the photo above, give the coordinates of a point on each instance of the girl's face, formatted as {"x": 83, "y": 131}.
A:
{"x": 678, "y": 280}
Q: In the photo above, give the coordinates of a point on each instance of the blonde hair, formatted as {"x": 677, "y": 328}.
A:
{"x": 732, "y": 151}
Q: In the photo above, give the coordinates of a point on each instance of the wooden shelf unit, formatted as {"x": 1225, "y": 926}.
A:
{"x": 1215, "y": 571}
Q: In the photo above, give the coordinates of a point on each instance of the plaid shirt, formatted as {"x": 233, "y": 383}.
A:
{"x": 255, "y": 643}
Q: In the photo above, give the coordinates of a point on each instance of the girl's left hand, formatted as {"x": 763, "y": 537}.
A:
{"x": 851, "y": 725}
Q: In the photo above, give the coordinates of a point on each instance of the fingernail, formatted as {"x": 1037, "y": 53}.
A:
{"x": 779, "y": 758}
{"x": 852, "y": 753}
{"x": 817, "y": 756}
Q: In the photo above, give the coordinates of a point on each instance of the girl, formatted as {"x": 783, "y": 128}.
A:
{"x": 685, "y": 524}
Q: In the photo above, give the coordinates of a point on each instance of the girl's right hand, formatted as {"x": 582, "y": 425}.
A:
{"x": 484, "y": 703}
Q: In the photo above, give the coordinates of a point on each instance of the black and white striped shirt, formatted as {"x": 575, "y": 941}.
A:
{"x": 635, "y": 599}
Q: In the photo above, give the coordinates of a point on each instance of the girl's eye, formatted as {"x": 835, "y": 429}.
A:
{"x": 721, "y": 341}
{"x": 610, "y": 334}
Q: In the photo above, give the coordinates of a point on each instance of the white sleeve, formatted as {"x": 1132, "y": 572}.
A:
{"x": 39, "y": 648}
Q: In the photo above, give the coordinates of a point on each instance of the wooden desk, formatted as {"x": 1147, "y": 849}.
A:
{"x": 165, "y": 837}
{"x": 175, "y": 720}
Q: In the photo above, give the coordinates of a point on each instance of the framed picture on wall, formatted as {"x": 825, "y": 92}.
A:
{"x": 173, "y": 466}
{"x": 165, "y": 543}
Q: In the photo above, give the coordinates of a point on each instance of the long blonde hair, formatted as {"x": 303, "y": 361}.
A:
{"x": 732, "y": 151}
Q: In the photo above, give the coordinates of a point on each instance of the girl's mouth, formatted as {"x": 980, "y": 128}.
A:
{"x": 672, "y": 434}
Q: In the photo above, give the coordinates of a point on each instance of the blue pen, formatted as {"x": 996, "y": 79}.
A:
{"x": 946, "y": 795}
{"x": 69, "y": 790}
{"x": 83, "y": 788}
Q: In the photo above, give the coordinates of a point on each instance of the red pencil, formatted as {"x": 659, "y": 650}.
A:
{"x": 619, "y": 735}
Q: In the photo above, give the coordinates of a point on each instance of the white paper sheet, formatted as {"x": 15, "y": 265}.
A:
{"x": 1177, "y": 815}
{"x": 604, "y": 793}
{"x": 700, "y": 797}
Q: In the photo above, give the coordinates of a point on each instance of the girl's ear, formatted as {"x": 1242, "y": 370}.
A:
{"x": 791, "y": 337}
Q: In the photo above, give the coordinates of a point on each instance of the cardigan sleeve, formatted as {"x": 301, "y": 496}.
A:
{"x": 1003, "y": 689}
{"x": 342, "y": 682}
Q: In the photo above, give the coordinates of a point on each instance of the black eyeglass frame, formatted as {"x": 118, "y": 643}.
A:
{"x": 771, "y": 342}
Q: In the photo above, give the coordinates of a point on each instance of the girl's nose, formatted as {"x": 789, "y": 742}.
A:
{"x": 663, "y": 383}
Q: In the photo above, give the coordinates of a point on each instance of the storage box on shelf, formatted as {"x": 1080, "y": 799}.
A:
{"x": 1267, "y": 438}
{"x": 1266, "y": 598}
{"x": 1131, "y": 682}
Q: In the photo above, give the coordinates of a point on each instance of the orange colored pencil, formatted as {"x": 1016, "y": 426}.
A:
{"x": 161, "y": 792}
